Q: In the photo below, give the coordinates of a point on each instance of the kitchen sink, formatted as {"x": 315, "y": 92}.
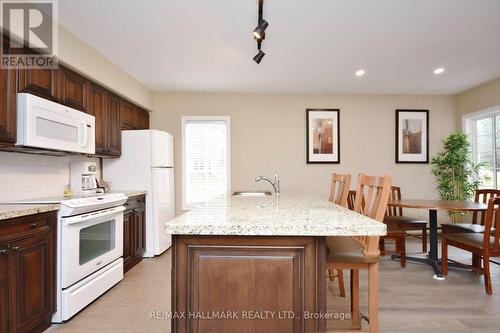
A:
{"x": 252, "y": 193}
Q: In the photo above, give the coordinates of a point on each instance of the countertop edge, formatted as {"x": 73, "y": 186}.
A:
{"x": 14, "y": 211}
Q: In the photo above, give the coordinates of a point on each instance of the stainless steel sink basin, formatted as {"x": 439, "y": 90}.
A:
{"x": 252, "y": 193}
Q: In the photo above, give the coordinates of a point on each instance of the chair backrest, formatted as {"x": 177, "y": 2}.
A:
{"x": 372, "y": 195}
{"x": 483, "y": 195}
{"x": 492, "y": 220}
{"x": 395, "y": 194}
{"x": 351, "y": 199}
{"x": 339, "y": 189}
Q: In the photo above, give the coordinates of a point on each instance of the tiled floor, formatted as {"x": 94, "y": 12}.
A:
{"x": 410, "y": 300}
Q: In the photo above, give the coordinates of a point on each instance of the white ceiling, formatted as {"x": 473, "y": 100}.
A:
{"x": 311, "y": 45}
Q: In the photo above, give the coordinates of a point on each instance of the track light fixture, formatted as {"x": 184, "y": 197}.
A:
{"x": 259, "y": 33}
{"x": 258, "y": 57}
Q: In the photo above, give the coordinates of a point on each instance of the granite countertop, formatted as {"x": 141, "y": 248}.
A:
{"x": 292, "y": 214}
{"x": 8, "y": 211}
{"x": 130, "y": 193}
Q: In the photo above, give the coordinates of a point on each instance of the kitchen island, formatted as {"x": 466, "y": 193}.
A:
{"x": 256, "y": 264}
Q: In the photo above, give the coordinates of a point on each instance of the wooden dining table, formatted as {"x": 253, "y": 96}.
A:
{"x": 433, "y": 206}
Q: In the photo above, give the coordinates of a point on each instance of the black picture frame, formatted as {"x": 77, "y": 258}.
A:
{"x": 423, "y": 158}
{"x": 334, "y": 160}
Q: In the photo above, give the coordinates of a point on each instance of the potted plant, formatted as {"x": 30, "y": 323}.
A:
{"x": 457, "y": 176}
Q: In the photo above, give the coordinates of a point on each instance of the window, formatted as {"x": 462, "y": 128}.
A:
{"x": 484, "y": 130}
{"x": 205, "y": 159}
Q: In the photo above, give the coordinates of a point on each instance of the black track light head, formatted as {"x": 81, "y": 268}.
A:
{"x": 258, "y": 57}
{"x": 258, "y": 32}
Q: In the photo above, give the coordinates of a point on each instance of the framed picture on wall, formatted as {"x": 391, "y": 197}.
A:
{"x": 323, "y": 136}
{"x": 412, "y": 136}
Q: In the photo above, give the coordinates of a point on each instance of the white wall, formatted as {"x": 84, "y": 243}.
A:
{"x": 83, "y": 58}
{"x": 479, "y": 98}
{"x": 268, "y": 133}
{"x": 24, "y": 176}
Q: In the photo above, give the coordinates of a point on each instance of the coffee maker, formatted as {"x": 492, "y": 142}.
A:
{"x": 83, "y": 178}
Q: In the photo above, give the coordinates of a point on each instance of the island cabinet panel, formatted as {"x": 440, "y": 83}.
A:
{"x": 267, "y": 283}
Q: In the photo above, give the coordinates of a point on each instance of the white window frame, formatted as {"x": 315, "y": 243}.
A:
{"x": 186, "y": 119}
{"x": 469, "y": 128}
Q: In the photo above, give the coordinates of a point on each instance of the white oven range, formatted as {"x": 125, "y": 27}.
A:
{"x": 89, "y": 249}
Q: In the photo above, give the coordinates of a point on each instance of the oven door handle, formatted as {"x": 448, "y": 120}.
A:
{"x": 92, "y": 216}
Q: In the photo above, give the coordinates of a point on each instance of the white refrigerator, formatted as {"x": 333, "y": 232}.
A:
{"x": 147, "y": 163}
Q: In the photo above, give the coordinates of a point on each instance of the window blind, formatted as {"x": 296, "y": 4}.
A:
{"x": 206, "y": 165}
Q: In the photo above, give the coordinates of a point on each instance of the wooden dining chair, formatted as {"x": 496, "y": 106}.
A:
{"x": 477, "y": 225}
{"x": 395, "y": 218}
{"x": 355, "y": 253}
{"x": 393, "y": 232}
{"x": 483, "y": 245}
{"x": 339, "y": 189}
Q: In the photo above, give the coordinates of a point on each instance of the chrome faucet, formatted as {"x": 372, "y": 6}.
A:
{"x": 275, "y": 183}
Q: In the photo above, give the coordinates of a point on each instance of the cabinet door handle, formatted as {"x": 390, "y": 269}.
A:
{"x": 15, "y": 248}
{"x": 3, "y": 251}
{"x": 33, "y": 225}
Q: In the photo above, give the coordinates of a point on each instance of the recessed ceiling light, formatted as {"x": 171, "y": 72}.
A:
{"x": 360, "y": 72}
{"x": 439, "y": 70}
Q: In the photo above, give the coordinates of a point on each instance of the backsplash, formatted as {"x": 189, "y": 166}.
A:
{"x": 24, "y": 176}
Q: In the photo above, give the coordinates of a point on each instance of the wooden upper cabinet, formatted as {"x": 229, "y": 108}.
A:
{"x": 73, "y": 89}
{"x": 98, "y": 107}
{"x": 114, "y": 143}
{"x": 39, "y": 82}
{"x": 8, "y": 121}
{"x": 141, "y": 119}
{"x": 128, "y": 110}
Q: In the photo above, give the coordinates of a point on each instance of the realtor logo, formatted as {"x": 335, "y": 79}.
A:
{"x": 31, "y": 31}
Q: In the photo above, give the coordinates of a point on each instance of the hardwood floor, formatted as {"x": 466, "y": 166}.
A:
{"x": 410, "y": 300}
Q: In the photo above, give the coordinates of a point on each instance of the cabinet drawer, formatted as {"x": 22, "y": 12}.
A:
{"x": 26, "y": 225}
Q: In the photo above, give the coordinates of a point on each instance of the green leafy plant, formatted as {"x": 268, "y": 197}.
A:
{"x": 457, "y": 176}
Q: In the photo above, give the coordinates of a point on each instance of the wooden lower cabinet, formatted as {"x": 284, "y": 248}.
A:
{"x": 134, "y": 228}
{"x": 27, "y": 273}
{"x": 279, "y": 278}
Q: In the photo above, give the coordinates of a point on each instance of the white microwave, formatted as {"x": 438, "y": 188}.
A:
{"x": 48, "y": 125}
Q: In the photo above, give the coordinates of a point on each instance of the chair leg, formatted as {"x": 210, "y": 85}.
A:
{"x": 487, "y": 277}
{"x": 476, "y": 263}
{"x": 340, "y": 276}
{"x": 354, "y": 286}
{"x": 402, "y": 253}
{"x": 381, "y": 246}
{"x": 444, "y": 257}
{"x": 329, "y": 273}
{"x": 373, "y": 297}
{"x": 424, "y": 239}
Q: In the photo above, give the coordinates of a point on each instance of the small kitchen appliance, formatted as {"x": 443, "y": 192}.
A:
{"x": 83, "y": 178}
